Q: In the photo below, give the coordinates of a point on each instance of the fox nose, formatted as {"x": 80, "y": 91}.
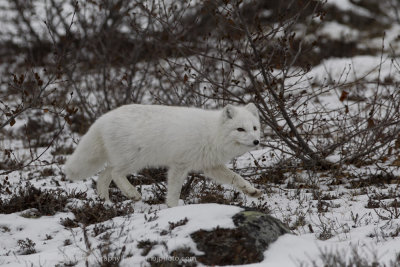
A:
{"x": 256, "y": 142}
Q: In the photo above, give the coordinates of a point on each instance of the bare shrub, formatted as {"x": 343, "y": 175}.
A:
{"x": 27, "y": 246}
{"x": 95, "y": 212}
{"x": 45, "y": 202}
{"x": 243, "y": 58}
{"x": 91, "y": 57}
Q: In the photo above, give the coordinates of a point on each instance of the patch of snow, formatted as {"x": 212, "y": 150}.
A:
{"x": 337, "y": 31}
{"x": 127, "y": 231}
{"x": 347, "y": 5}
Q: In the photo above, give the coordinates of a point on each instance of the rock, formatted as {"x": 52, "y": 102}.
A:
{"x": 264, "y": 228}
{"x": 31, "y": 213}
{"x": 241, "y": 245}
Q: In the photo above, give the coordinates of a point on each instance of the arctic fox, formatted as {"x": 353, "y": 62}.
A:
{"x": 133, "y": 137}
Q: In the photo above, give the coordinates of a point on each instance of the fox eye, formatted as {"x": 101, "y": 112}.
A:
{"x": 255, "y": 128}
{"x": 240, "y": 130}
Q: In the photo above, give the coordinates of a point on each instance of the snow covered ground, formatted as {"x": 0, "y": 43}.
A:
{"x": 338, "y": 220}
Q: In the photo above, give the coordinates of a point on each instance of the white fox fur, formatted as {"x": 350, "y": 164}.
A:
{"x": 133, "y": 137}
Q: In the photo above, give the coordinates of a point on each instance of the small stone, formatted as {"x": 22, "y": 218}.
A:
{"x": 31, "y": 213}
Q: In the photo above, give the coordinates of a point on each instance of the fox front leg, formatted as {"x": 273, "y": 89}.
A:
{"x": 223, "y": 175}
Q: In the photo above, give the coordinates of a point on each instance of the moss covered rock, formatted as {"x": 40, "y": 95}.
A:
{"x": 241, "y": 245}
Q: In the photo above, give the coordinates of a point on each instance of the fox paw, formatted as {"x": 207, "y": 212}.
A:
{"x": 104, "y": 196}
{"x": 108, "y": 203}
{"x": 253, "y": 192}
{"x": 172, "y": 203}
{"x": 132, "y": 194}
{"x": 135, "y": 197}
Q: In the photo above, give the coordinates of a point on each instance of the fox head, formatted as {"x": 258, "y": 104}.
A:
{"x": 241, "y": 127}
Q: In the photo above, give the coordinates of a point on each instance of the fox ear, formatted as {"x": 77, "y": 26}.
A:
{"x": 228, "y": 112}
{"x": 253, "y": 109}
